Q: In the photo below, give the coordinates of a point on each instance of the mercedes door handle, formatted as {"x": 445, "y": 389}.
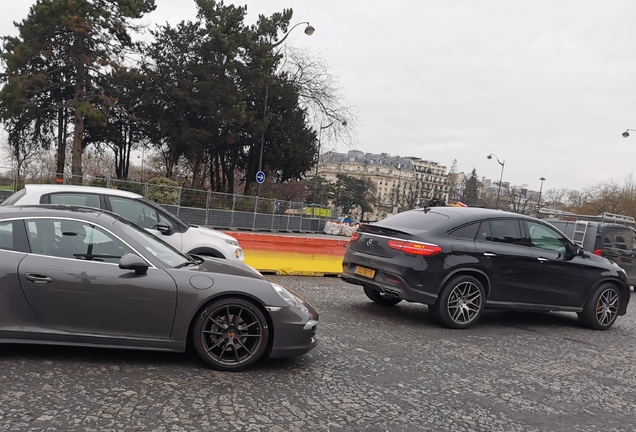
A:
{"x": 490, "y": 254}
{"x": 37, "y": 278}
{"x": 542, "y": 260}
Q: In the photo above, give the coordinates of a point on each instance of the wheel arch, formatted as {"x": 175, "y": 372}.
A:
{"x": 477, "y": 274}
{"x": 207, "y": 251}
{"x": 243, "y": 296}
{"x": 623, "y": 291}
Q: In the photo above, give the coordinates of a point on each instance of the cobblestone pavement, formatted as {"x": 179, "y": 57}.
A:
{"x": 375, "y": 369}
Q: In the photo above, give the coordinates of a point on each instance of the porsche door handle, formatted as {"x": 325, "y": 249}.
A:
{"x": 37, "y": 278}
{"x": 490, "y": 254}
{"x": 542, "y": 260}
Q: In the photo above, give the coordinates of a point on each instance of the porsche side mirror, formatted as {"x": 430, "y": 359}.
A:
{"x": 133, "y": 262}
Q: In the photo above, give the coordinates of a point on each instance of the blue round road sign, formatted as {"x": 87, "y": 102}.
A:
{"x": 260, "y": 177}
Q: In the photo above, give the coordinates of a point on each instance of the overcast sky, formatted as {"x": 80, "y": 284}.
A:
{"x": 548, "y": 86}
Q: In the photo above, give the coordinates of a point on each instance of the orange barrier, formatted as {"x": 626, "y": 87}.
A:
{"x": 292, "y": 255}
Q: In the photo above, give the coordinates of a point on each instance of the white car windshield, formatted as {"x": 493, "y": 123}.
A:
{"x": 161, "y": 250}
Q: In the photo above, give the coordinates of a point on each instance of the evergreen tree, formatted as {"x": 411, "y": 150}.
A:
{"x": 471, "y": 189}
{"x": 351, "y": 192}
{"x": 123, "y": 130}
{"x": 207, "y": 83}
{"x": 62, "y": 48}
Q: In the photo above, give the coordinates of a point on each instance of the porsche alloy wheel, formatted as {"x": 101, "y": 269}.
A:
{"x": 231, "y": 334}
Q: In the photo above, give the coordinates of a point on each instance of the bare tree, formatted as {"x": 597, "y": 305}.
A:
{"x": 518, "y": 199}
{"x": 329, "y": 111}
{"x": 453, "y": 184}
{"x": 554, "y": 198}
{"x": 97, "y": 163}
{"x": 22, "y": 151}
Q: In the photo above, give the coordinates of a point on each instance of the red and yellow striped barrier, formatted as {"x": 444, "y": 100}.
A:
{"x": 292, "y": 255}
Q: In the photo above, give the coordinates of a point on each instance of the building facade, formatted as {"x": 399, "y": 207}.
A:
{"x": 401, "y": 183}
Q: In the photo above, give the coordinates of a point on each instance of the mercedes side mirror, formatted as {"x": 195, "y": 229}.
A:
{"x": 578, "y": 250}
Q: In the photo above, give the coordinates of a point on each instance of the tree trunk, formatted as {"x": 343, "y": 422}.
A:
{"x": 78, "y": 102}
{"x": 128, "y": 144}
{"x": 171, "y": 162}
{"x": 61, "y": 142}
{"x": 250, "y": 178}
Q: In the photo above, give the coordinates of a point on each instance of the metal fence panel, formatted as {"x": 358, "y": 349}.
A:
{"x": 7, "y": 183}
{"x": 262, "y": 222}
{"x": 245, "y": 203}
{"x": 125, "y": 185}
{"x": 243, "y": 220}
{"x": 220, "y": 218}
{"x": 164, "y": 195}
{"x": 71, "y": 179}
{"x": 171, "y": 208}
{"x": 280, "y": 222}
{"x": 222, "y": 201}
{"x": 200, "y": 207}
{"x": 44, "y": 178}
{"x": 193, "y": 198}
{"x": 194, "y": 216}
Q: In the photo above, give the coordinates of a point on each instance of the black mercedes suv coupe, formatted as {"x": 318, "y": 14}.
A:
{"x": 460, "y": 261}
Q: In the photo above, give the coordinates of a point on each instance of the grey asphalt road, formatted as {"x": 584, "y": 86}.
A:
{"x": 376, "y": 369}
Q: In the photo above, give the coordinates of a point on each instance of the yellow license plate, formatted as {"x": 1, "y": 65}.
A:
{"x": 363, "y": 271}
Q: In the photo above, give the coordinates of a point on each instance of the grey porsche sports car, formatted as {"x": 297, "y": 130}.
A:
{"x": 82, "y": 276}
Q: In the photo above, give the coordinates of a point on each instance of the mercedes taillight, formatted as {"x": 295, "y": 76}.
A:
{"x": 415, "y": 248}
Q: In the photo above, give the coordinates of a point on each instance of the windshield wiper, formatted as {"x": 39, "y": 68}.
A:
{"x": 187, "y": 263}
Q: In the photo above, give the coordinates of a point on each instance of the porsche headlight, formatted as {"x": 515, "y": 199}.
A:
{"x": 289, "y": 297}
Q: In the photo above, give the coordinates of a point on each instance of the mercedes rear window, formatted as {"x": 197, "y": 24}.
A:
{"x": 413, "y": 220}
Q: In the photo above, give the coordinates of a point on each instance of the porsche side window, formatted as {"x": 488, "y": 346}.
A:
{"x": 12, "y": 236}
{"x": 74, "y": 240}
{"x": 6, "y": 235}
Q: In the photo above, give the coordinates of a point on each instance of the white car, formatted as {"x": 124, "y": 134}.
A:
{"x": 187, "y": 238}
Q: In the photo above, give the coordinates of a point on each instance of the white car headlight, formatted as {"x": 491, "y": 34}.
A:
{"x": 231, "y": 242}
{"x": 289, "y": 297}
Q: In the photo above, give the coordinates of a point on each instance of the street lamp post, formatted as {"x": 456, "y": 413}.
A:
{"x": 397, "y": 191}
{"x": 626, "y": 133}
{"x": 309, "y": 30}
{"x": 344, "y": 123}
{"x": 500, "y": 177}
{"x": 540, "y": 190}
